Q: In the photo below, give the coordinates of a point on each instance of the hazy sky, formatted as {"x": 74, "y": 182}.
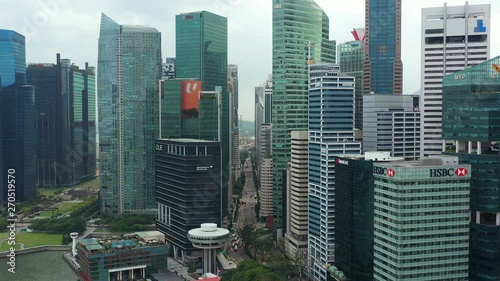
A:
{"x": 72, "y": 29}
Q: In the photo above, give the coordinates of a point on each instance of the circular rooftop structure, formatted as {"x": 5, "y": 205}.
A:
{"x": 208, "y": 236}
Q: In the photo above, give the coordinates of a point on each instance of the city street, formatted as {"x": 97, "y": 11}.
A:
{"x": 246, "y": 213}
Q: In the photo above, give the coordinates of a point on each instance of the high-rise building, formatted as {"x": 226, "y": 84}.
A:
{"x": 17, "y": 121}
{"x": 354, "y": 211}
{"x": 188, "y": 183}
{"x": 331, "y": 134}
{"x": 297, "y": 221}
{"x": 421, "y": 220}
{"x": 266, "y": 171}
{"x": 300, "y": 37}
{"x": 453, "y": 38}
{"x": 268, "y": 102}
{"x": 129, "y": 68}
{"x": 351, "y": 56}
{"x": 201, "y": 53}
{"x": 233, "y": 88}
{"x": 168, "y": 69}
{"x": 13, "y": 58}
{"x": 188, "y": 112}
{"x": 66, "y": 121}
{"x": 383, "y": 68}
{"x": 471, "y": 120}
{"x": 391, "y": 124}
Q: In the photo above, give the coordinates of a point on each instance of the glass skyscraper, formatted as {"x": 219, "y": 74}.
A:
{"x": 351, "y": 58}
{"x": 201, "y": 53}
{"x": 66, "y": 122}
{"x": 300, "y": 37}
{"x": 12, "y": 57}
{"x": 383, "y": 68}
{"x": 129, "y": 68}
{"x": 471, "y": 120}
{"x": 17, "y": 120}
{"x": 331, "y": 134}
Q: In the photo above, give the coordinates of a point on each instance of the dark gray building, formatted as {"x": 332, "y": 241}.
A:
{"x": 65, "y": 122}
{"x": 188, "y": 191}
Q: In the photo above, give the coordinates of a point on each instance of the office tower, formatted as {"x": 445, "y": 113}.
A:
{"x": 188, "y": 112}
{"x": 453, "y": 38}
{"x": 168, "y": 69}
{"x": 383, "y": 68}
{"x": 471, "y": 120}
{"x": 266, "y": 172}
{"x": 351, "y": 57}
{"x": 296, "y": 232}
{"x": 308, "y": 24}
{"x": 188, "y": 183}
{"x": 13, "y": 58}
{"x": 259, "y": 120}
{"x": 233, "y": 88}
{"x": 17, "y": 121}
{"x": 391, "y": 124}
{"x": 421, "y": 220}
{"x": 268, "y": 102}
{"x": 331, "y": 134}
{"x": 129, "y": 67}
{"x": 66, "y": 121}
{"x": 354, "y": 209}
{"x": 201, "y": 53}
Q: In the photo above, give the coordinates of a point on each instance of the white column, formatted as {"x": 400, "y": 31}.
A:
{"x": 470, "y": 147}
{"x": 131, "y": 274}
{"x": 479, "y": 147}
{"x": 444, "y": 145}
{"x": 457, "y": 146}
{"x": 498, "y": 219}
{"x": 478, "y": 217}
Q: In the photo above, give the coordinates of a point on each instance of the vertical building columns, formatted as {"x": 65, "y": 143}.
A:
{"x": 479, "y": 148}
{"x": 457, "y": 146}
{"x": 470, "y": 147}
{"x": 478, "y": 217}
{"x": 498, "y": 219}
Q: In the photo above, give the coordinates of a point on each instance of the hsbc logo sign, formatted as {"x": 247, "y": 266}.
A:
{"x": 384, "y": 171}
{"x": 439, "y": 173}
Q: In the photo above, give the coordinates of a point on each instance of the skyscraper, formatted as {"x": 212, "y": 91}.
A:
{"x": 188, "y": 179}
{"x": 421, "y": 222}
{"x": 453, "y": 39}
{"x": 354, "y": 211}
{"x": 201, "y": 53}
{"x": 233, "y": 88}
{"x": 17, "y": 120}
{"x": 13, "y": 57}
{"x": 471, "y": 120}
{"x": 66, "y": 122}
{"x": 300, "y": 37}
{"x": 351, "y": 56}
{"x": 129, "y": 68}
{"x": 331, "y": 134}
{"x": 383, "y": 68}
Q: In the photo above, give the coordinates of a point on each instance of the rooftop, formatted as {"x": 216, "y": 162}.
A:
{"x": 124, "y": 242}
{"x": 188, "y": 140}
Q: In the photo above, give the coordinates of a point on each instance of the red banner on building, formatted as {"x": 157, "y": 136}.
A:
{"x": 190, "y": 98}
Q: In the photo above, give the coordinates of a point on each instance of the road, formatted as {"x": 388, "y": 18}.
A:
{"x": 248, "y": 199}
{"x": 246, "y": 213}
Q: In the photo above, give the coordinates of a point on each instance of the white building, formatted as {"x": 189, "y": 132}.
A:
{"x": 266, "y": 171}
{"x": 297, "y": 200}
{"x": 453, "y": 38}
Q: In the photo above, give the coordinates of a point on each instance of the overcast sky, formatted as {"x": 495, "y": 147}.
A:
{"x": 72, "y": 29}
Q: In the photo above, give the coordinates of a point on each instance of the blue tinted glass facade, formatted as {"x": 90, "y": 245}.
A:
{"x": 17, "y": 112}
{"x": 383, "y": 72}
{"x": 12, "y": 57}
{"x": 129, "y": 68}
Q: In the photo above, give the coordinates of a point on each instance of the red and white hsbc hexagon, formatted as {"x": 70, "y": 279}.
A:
{"x": 390, "y": 172}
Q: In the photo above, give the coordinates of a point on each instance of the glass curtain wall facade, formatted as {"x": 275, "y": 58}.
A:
{"x": 300, "y": 36}
{"x": 17, "y": 120}
{"x": 383, "y": 68}
{"x": 201, "y": 53}
{"x": 331, "y": 134}
{"x": 351, "y": 58}
{"x": 129, "y": 68}
{"x": 13, "y": 58}
{"x": 66, "y": 125}
{"x": 471, "y": 120}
